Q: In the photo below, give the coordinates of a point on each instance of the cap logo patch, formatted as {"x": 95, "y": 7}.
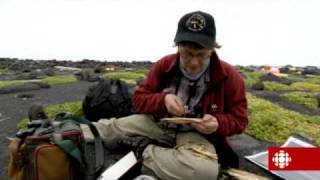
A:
{"x": 196, "y": 23}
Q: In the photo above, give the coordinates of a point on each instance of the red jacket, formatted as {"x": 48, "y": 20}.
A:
{"x": 225, "y": 99}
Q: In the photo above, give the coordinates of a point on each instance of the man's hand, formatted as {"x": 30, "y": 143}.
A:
{"x": 174, "y": 104}
{"x": 208, "y": 125}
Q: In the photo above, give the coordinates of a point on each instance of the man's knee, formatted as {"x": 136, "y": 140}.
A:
{"x": 199, "y": 169}
{"x": 181, "y": 164}
{"x": 201, "y": 159}
{"x": 209, "y": 171}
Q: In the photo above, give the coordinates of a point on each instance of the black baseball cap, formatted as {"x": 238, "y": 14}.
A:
{"x": 198, "y": 27}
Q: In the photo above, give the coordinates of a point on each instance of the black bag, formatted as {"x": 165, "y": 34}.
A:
{"x": 108, "y": 98}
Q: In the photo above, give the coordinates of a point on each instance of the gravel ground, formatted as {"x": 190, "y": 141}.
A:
{"x": 13, "y": 109}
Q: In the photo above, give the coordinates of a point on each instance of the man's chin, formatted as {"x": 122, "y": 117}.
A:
{"x": 193, "y": 72}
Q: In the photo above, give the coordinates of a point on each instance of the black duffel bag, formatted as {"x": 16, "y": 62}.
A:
{"x": 107, "y": 99}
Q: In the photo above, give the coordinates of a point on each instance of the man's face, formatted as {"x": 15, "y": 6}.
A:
{"x": 193, "y": 59}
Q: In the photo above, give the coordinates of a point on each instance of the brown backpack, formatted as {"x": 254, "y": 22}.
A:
{"x": 56, "y": 152}
{"x": 48, "y": 159}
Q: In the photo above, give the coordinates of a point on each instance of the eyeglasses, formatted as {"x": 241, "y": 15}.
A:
{"x": 189, "y": 54}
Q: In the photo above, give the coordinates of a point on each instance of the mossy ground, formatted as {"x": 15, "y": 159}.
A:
{"x": 50, "y": 80}
{"x": 74, "y": 108}
{"x": 268, "y": 121}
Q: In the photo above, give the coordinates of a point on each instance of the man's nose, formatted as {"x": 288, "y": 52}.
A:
{"x": 194, "y": 60}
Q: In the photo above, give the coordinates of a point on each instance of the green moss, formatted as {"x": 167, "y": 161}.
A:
{"x": 297, "y": 86}
{"x": 252, "y": 77}
{"x": 23, "y": 124}
{"x": 303, "y": 98}
{"x": 141, "y": 71}
{"x": 50, "y": 80}
{"x": 305, "y": 86}
{"x": 124, "y": 75}
{"x": 74, "y": 108}
{"x": 273, "y": 123}
{"x": 274, "y": 86}
{"x": 8, "y": 83}
{"x": 313, "y": 80}
{"x": 295, "y": 78}
{"x": 2, "y": 70}
{"x": 60, "y": 79}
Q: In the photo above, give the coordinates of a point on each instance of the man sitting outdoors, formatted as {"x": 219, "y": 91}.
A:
{"x": 192, "y": 83}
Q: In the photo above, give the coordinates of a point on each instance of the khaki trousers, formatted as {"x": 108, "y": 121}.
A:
{"x": 185, "y": 161}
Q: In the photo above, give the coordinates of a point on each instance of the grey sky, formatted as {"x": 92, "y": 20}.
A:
{"x": 276, "y": 32}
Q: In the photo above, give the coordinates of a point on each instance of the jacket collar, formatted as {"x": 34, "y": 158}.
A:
{"x": 217, "y": 72}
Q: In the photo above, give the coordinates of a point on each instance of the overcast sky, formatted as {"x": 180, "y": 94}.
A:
{"x": 276, "y": 32}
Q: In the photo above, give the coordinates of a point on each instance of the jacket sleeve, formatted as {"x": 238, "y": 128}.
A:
{"x": 235, "y": 118}
{"x": 148, "y": 98}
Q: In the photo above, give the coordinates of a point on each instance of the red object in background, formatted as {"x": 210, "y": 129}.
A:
{"x": 294, "y": 158}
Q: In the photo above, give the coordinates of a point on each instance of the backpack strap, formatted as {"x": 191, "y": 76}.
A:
{"x": 72, "y": 149}
{"x": 99, "y": 151}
